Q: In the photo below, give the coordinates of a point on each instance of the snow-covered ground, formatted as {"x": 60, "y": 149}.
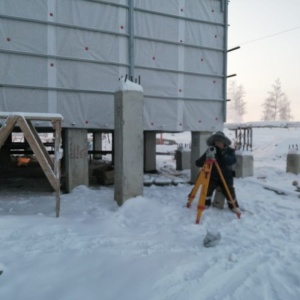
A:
{"x": 151, "y": 248}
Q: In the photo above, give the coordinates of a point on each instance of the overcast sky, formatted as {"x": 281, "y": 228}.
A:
{"x": 268, "y": 32}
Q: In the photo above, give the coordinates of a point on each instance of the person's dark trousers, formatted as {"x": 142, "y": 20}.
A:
{"x": 213, "y": 184}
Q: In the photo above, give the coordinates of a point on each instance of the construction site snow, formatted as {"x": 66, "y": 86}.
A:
{"x": 150, "y": 248}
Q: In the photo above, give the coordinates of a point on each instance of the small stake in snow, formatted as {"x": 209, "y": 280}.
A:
{"x": 203, "y": 180}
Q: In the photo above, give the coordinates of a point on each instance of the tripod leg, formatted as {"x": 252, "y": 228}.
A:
{"x": 205, "y": 182}
{"x": 201, "y": 202}
{"x": 235, "y": 209}
{"x": 193, "y": 193}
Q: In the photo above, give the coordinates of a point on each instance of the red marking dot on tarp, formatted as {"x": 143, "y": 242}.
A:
{"x": 202, "y": 59}
{"x": 86, "y": 48}
{"x": 51, "y": 14}
{"x": 214, "y": 81}
{"x": 216, "y": 119}
{"x": 181, "y": 9}
{"x": 180, "y": 124}
{"x": 8, "y": 39}
{"x": 180, "y": 90}
{"x": 216, "y": 36}
{"x": 199, "y": 121}
{"x": 212, "y": 10}
{"x": 122, "y": 27}
{"x": 86, "y": 122}
{"x": 153, "y": 57}
{"x": 152, "y": 123}
{"x": 181, "y": 41}
{"x": 52, "y": 65}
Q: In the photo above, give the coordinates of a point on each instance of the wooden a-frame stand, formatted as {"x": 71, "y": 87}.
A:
{"x": 203, "y": 180}
{"x": 23, "y": 120}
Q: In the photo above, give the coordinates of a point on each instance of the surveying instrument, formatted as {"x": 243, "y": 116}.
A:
{"x": 203, "y": 181}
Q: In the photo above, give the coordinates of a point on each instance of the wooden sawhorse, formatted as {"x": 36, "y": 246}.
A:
{"x": 24, "y": 121}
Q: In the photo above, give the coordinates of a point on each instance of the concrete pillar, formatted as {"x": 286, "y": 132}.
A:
{"x": 219, "y": 199}
{"x": 149, "y": 151}
{"x": 76, "y": 158}
{"x": 293, "y": 163}
{"x": 183, "y": 159}
{"x": 199, "y": 146}
{"x": 244, "y": 165}
{"x": 129, "y": 145}
{"x": 97, "y": 144}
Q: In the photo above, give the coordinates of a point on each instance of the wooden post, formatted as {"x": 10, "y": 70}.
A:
{"x": 57, "y": 128}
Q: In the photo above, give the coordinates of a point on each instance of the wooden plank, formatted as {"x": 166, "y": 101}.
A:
{"x": 40, "y": 143}
{"x": 7, "y": 128}
{"x": 57, "y": 129}
{"x": 33, "y": 116}
{"x": 40, "y": 155}
{"x": 57, "y": 144}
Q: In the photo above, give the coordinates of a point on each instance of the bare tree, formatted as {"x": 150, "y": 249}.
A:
{"x": 237, "y": 104}
{"x": 276, "y": 106}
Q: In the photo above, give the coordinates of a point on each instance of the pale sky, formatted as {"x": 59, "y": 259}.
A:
{"x": 268, "y": 32}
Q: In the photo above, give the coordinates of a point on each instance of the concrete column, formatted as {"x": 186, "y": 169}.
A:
{"x": 293, "y": 163}
{"x": 198, "y": 147}
{"x": 129, "y": 145}
{"x": 76, "y": 158}
{"x": 149, "y": 151}
{"x": 244, "y": 165}
{"x": 97, "y": 144}
{"x": 183, "y": 159}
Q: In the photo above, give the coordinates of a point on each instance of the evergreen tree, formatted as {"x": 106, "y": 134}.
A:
{"x": 285, "y": 109}
{"x": 276, "y": 106}
{"x": 237, "y": 104}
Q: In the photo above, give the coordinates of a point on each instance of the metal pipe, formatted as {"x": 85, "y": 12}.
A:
{"x": 158, "y": 13}
{"x": 232, "y": 49}
{"x": 72, "y": 90}
{"x": 232, "y": 75}
{"x": 131, "y": 38}
{"x": 63, "y": 25}
{"x": 86, "y": 60}
{"x": 59, "y": 57}
{"x": 90, "y": 29}
{"x": 225, "y": 11}
{"x": 59, "y": 89}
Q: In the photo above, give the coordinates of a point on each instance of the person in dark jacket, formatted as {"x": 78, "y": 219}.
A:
{"x": 225, "y": 156}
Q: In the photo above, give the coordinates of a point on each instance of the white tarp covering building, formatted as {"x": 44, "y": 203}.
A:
{"x": 66, "y": 57}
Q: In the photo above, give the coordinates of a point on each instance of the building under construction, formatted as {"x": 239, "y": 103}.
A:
{"x": 66, "y": 57}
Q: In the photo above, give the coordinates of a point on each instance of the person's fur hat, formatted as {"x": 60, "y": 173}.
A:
{"x": 218, "y": 136}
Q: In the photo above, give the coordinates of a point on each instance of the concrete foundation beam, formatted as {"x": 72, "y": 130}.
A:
{"x": 97, "y": 144}
{"x": 183, "y": 159}
{"x": 293, "y": 163}
{"x": 244, "y": 165}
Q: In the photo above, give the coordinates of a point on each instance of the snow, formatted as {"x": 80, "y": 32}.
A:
{"x": 33, "y": 116}
{"x": 263, "y": 124}
{"x": 127, "y": 85}
{"x": 151, "y": 248}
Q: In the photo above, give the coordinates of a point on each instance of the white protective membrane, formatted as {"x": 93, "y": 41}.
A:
{"x": 67, "y": 57}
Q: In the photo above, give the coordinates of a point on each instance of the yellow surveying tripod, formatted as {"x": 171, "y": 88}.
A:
{"x": 203, "y": 180}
